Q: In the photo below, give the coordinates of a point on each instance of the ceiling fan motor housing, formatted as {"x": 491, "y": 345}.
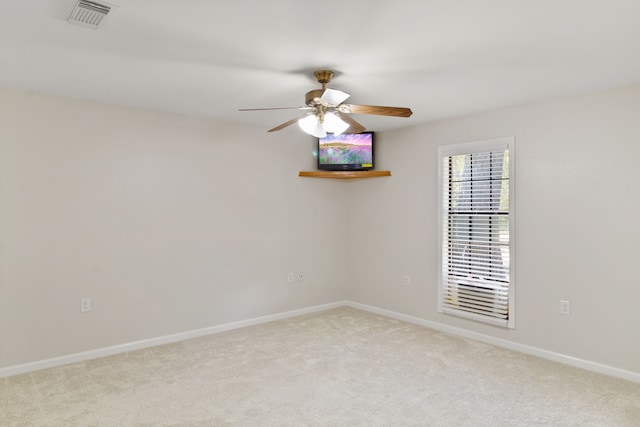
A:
{"x": 312, "y": 98}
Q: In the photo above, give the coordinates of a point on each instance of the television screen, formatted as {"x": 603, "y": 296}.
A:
{"x": 348, "y": 151}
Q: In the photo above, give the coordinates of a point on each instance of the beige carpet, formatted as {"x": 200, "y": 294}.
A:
{"x": 341, "y": 367}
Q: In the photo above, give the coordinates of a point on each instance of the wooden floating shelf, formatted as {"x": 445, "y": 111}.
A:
{"x": 344, "y": 174}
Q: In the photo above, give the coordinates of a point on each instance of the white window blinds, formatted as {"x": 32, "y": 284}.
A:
{"x": 476, "y": 235}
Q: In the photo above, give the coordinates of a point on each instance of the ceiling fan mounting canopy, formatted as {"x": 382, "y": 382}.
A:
{"x": 324, "y": 76}
{"x": 326, "y": 102}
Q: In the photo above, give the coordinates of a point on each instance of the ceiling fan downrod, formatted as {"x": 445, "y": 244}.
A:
{"x": 312, "y": 98}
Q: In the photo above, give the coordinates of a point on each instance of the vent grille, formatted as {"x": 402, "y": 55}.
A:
{"x": 88, "y": 13}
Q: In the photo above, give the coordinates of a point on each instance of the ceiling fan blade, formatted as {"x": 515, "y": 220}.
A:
{"x": 354, "y": 126}
{"x": 275, "y": 108}
{"x": 375, "y": 109}
{"x": 285, "y": 124}
{"x": 334, "y": 96}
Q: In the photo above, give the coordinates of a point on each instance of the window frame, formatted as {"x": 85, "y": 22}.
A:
{"x": 475, "y": 147}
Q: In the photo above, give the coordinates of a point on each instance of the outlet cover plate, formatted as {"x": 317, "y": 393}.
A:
{"x": 85, "y": 305}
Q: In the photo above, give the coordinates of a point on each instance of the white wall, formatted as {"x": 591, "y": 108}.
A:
{"x": 577, "y": 228}
{"x": 172, "y": 223}
{"x": 169, "y": 223}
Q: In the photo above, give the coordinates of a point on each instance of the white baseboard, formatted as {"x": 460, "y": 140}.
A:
{"x": 152, "y": 342}
{"x": 534, "y": 351}
{"x": 137, "y": 345}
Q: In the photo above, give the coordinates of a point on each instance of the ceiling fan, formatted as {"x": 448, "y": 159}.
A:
{"x": 326, "y": 112}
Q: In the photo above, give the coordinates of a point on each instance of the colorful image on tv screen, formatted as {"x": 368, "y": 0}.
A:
{"x": 345, "y": 149}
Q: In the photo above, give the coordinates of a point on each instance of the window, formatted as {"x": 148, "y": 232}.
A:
{"x": 476, "y": 235}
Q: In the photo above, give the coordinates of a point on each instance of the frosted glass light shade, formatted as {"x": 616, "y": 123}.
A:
{"x": 310, "y": 125}
{"x": 334, "y": 124}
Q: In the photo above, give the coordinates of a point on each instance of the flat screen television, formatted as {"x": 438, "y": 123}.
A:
{"x": 346, "y": 152}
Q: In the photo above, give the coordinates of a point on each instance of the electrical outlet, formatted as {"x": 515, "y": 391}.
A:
{"x": 290, "y": 277}
{"x": 301, "y": 277}
{"x": 565, "y": 307}
{"x": 407, "y": 280}
{"x": 85, "y": 305}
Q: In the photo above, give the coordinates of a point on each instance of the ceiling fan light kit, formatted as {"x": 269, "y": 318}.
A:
{"x": 320, "y": 124}
{"x": 328, "y": 113}
{"x": 312, "y": 125}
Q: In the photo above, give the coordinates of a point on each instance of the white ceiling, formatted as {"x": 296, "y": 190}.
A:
{"x": 442, "y": 58}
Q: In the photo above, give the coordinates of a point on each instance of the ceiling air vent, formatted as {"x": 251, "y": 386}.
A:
{"x": 88, "y": 13}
